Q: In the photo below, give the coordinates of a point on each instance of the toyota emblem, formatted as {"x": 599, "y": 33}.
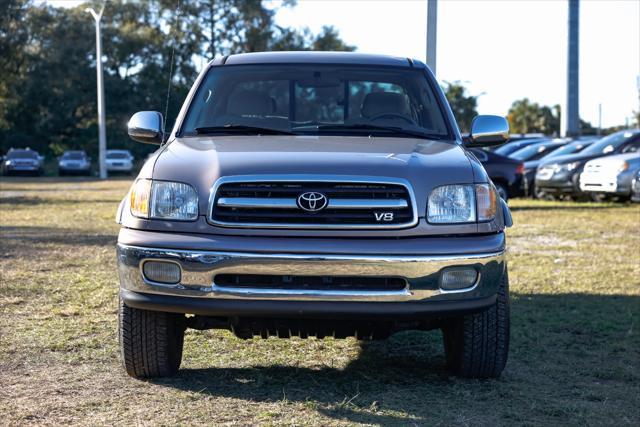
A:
{"x": 312, "y": 201}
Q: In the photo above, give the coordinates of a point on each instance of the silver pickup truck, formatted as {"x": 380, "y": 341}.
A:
{"x": 314, "y": 194}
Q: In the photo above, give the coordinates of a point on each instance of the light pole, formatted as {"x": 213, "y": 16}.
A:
{"x": 102, "y": 134}
{"x": 571, "y": 114}
{"x": 432, "y": 33}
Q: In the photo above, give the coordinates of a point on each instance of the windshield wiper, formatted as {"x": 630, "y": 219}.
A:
{"x": 232, "y": 128}
{"x": 371, "y": 127}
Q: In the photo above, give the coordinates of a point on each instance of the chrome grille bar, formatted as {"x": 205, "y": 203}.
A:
{"x": 256, "y": 203}
{"x": 260, "y": 203}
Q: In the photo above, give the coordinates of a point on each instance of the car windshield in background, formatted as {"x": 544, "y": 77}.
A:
{"x": 117, "y": 156}
{"x": 609, "y": 143}
{"x": 574, "y": 147}
{"x": 315, "y": 99}
{"x": 22, "y": 154}
{"x": 73, "y": 155}
{"x": 533, "y": 152}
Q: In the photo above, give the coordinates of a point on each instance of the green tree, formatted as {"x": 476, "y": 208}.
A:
{"x": 47, "y": 63}
{"x": 464, "y": 106}
{"x": 528, "y": 117}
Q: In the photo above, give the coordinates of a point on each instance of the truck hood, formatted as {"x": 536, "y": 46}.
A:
{"x": 426, "y": 164}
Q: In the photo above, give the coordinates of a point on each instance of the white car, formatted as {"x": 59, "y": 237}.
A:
{"x": 610, "y": 175}
{"x": 119, "y": 161}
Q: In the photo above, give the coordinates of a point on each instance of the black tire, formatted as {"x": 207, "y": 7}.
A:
{"x": 503, "y": 191}
{"x": 150, "y": 341}
{"x": 477, "y": 345}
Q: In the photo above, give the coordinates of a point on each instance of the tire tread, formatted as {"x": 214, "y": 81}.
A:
{"x": 151, "y": 342}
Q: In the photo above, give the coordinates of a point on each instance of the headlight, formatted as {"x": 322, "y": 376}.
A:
{"x": 565, "y": 167}
{"x": 623, "y": 167}
{"x": 8, "y": 163}
{"x": 452, "y": 204}
{"x": 457, "y": 204}
{"x": 164, "y": 200}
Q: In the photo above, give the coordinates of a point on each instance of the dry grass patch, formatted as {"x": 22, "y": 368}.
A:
{"x": 575, "y": 355}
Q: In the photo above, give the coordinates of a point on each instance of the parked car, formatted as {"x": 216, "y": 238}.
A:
{"x": 610, "y": 176}
{"x": 512, "y": 146}
{"x": 274, "y": 210}
{"x": 531, "y": 166}
{"x": 23, "y": 161}
{"x": 558, "y": 176}
{"x": 119, "y": 161}
{"x": 505, "y": 173}
{"x": 74, "y": 162}
{"x": 635, "y": 188}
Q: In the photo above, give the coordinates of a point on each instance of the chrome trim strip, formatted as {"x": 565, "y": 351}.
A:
{"x": 308, "y": 294}
{"x": 357, "y": 179}
{"x": 366, "y": 204}
{"x": 255, "y": 202}
{"x": 264, "y": 203}
{"x": 199, "y": 269}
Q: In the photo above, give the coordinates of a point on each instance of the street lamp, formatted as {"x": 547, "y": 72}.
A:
{"x": 432, "y": 33}
{"x": 102, "y": 134}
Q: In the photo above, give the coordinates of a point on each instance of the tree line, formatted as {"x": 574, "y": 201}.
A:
{"x": 47, "y": 62}
{"x": 152, "y": 52}
{"x": 524, "y": 116}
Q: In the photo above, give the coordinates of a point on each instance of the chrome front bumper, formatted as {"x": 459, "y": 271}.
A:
{"x": 422, "y": 274}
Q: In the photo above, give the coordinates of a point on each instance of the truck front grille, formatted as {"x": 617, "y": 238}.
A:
{"x": 312, "y": 204}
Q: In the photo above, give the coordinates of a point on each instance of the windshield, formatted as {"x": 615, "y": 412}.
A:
{"x": 608, "y": 143}
{"x": 73, "y": 155}
{"x": 511, "y": 147}
{"x": 533, "y": 152}
{"x": 22, "y": 154}
{"x": 574, "y": 147}
{"x": 316, "y": 99}
{"x": 117, "y": 155}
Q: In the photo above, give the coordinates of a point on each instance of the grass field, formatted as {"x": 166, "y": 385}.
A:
{"x": 575, "y": 344}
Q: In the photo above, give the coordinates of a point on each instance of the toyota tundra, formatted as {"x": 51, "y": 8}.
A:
{"x": 314, "y": 194}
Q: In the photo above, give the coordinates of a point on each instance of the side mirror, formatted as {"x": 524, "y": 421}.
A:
{"x": 487, "y": 131}
{"x": 146, "y": 126}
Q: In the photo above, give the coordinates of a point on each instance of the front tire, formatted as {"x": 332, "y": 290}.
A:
{"x": 476, "y": 345}
{"x": 150, "y": 341}
{"x": 503, "y": 192}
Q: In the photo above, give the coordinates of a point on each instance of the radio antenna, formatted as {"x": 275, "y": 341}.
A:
{"x": 173, "y": 49}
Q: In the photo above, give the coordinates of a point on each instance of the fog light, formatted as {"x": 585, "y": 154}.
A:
{"x": 161, "y": 272}
{"x": 454, "y": 279}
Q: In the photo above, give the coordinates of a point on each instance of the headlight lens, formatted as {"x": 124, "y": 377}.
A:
{"x": 173, "y": 200}
{"x": 623, "y": 167}
{"x": 452, "y": 204}
{"x": 164, "y": 200}
{"x": 565, "y": 167}
{"x": 456, "y": 204}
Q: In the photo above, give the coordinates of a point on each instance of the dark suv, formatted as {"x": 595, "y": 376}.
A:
{"x": 307, "y": 193}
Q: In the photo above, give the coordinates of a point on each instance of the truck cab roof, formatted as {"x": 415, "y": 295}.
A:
{"x": 308, "y": 57}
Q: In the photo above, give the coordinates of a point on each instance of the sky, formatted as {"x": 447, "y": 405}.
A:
{"x": 501, "y": 50}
